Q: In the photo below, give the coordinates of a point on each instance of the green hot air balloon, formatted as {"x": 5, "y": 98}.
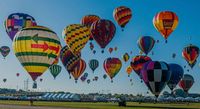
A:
{"x": 55, "y": 70}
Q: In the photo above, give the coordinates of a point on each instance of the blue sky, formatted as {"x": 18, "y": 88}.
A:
{"x": 56, "y": 14}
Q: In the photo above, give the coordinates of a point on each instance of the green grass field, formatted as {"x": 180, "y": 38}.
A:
{"x": 84, "y": 105}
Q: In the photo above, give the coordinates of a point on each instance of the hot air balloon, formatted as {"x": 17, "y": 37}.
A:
{"x": 83, "y": 78}
{"x": 93, "y": 64}
{"x": 173, "y": 55}
{"x": 146, "y": 43}
{"x": 186, "y": 82}
{"x": 91, "y": 46}
{"x": 4, "y": 80}
{"x": 112, "y": 67}
{"x": 122, "y": 15}
{"x": 176, "y": 75}
{"x": 104, "y": 76}
{"x": 126, "y": 57}
{"x": 17, "y": 74}
{"x": 156, "y": 74}
{"x": 55, "y": 70}
{"x": 94, "y": 51}
{"x": 5, "y": 50}
{"x": 165, "y": 22}
{"x": 16, "y": 22}
{"x": 68, "y": 58}
{"x": 95, "y": 78}
{"x": 129, "y": 70}
{"x": 41, "y": 79}
{"x": 138, "y": 62}
{"x": 103, "y": 32}
{"x": 76, "y": 36}
{"x": 36, "y": 48}
{"x": 115, "y": 48}
{"x": 110, "y": 50}
{"x": 88, "y": 20}
{"x": 88, "y": 81}
{"x": 78, "y": 69}
{"x": 190, "y": 53}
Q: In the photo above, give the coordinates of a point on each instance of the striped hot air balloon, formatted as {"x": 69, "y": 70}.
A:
{"x": 186, "y": 82}
{"x": 112, "y": 67}
{"x": 55, "y": 70}
{"x": 93, "y": 64}
{"x": 190, "y": 53}
{"x": 78, "y": 69}
{"x": 165, "y": 22}
{"x": 68, "y": 58}
{"x": 16, "y": 22}
{"x": 76, "y": 36}
{"x": 146, "y": 43}
{"x": 122, "y": 15}
{"x": 36, "y": 48}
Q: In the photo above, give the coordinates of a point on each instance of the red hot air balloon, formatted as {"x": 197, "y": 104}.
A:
{"x": 103, "y": 32}
{"x": 186, "y": 82}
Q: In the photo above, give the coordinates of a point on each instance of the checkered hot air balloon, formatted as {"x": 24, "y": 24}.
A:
{"x": 76, "y": 36}
{"x": 186, "y": 82}
{"x": 36, "y": 48}
{"x": 122, "y": 15}
{"x": 156, "y": 74}
{"x": 68, "y": 58}
{"x": 165, "y": 22}
{"x": 190, "y": 53}
{"x": 16, "y": 22}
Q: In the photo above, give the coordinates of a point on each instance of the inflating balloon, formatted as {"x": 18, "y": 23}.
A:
{"x": 36, "y": 48}
{"x": 16, "y": 22}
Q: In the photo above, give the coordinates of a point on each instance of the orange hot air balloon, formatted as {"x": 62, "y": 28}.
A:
{"x": 165, "y": 22}
{"x": 122, "y": 15}
{"x": 129, "y": 70}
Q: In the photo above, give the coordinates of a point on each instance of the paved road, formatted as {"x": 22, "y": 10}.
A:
{"x": 27, "y": 107}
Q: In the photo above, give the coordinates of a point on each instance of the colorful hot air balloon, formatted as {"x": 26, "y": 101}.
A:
{"x": 91, "y": 46}
{"x": 126, "y": 57}
{"x": 186, "y": 82}
{"x": 76, "y": 36}
{"x": 190, "y": 53}
{"x": 138, "y": 62}
{"x": 55, "y": 70}
{"x": 5, "y": 50}
{"x": 112, "y": 67}
{"x": 177, "y": 73}
{"x": 122, "y": 15}
{"x": 146, "y": 43}
{"x": 36, "y": 48}
{"x": 156, "y": 74}
{"x": 16, "y": 22}
{"x": 78, "y": 69}
{"x": 165, "y": 22}
{"x": 83, "y": 78}
{"x": 68, "y": 58}
{"x": 110, "y": 50}
{"x": 17, "y": 74}
{"x": 103, "y": 32}
{"x": 129, "y": 70}
{"x": 88, "y": 20}
{"x": 93, "y": 64}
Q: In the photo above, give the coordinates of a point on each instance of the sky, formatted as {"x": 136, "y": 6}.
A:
{"x": 57, "y": 14}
